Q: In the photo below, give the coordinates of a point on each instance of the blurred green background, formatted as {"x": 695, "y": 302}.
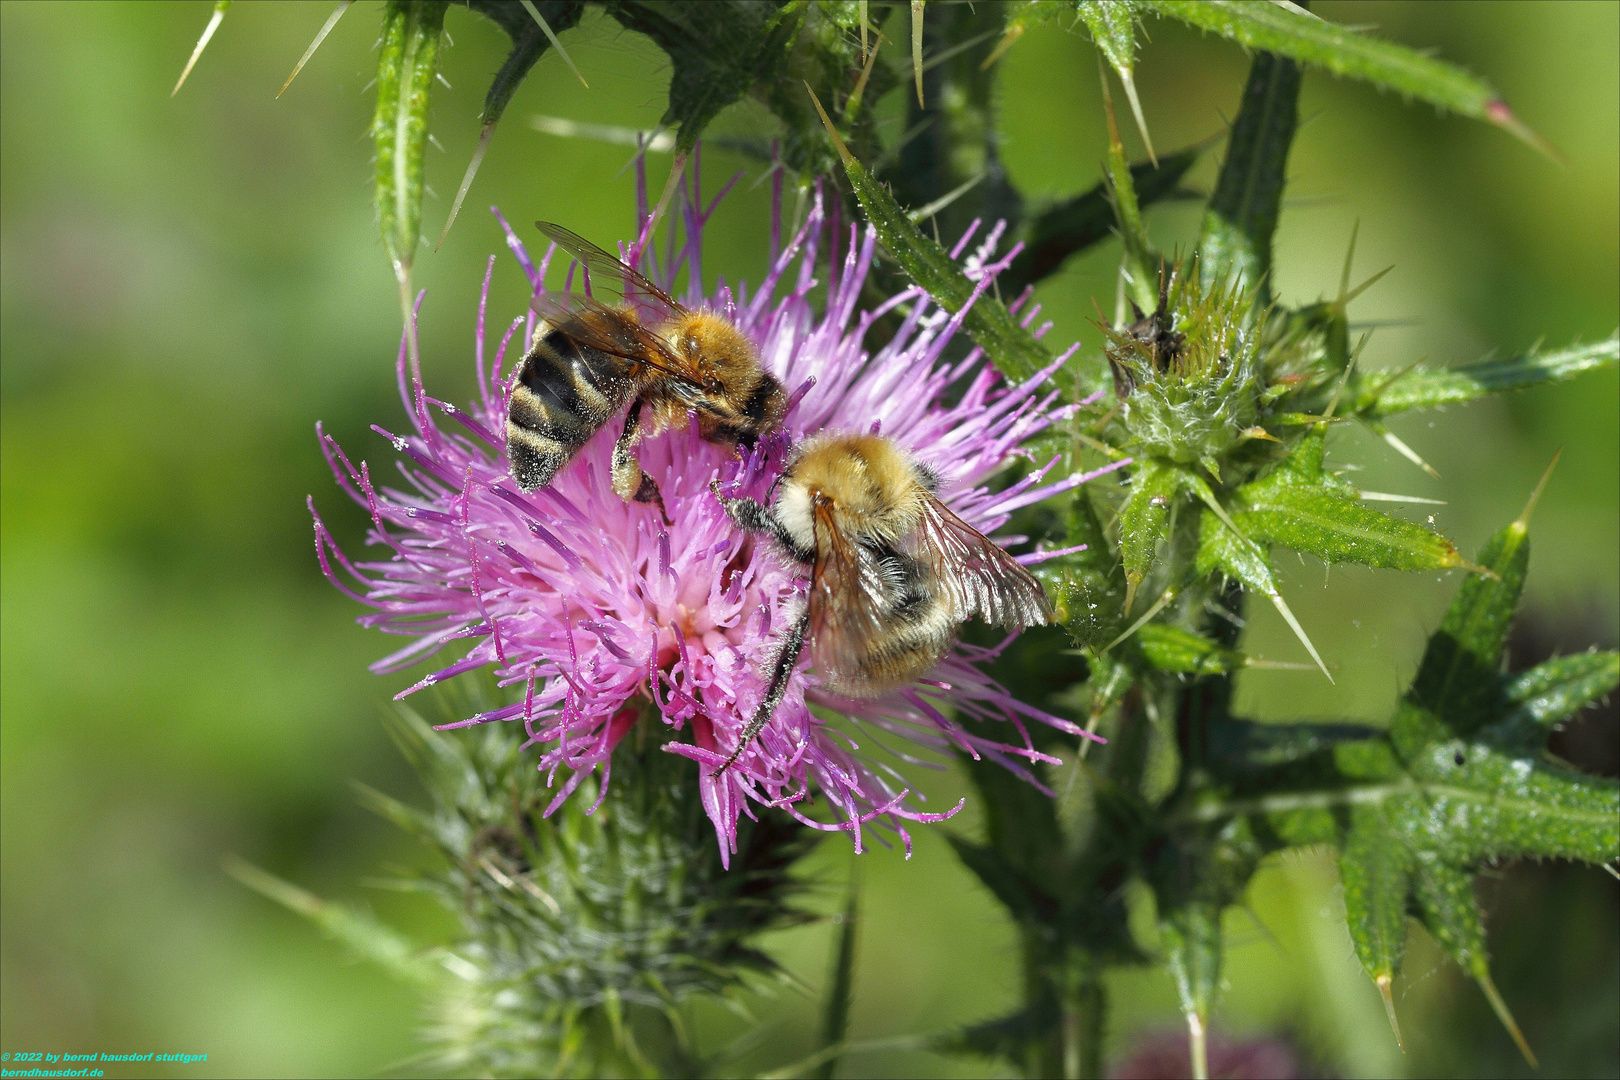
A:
{"x": 189, "y": 284}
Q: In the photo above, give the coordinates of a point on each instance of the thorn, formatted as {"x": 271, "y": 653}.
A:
{"x": 1299, "y": 632}
{"x": 866, "y": 73}
{"x": 1612, "y": 871}
{"x": 484, "y": 138}
{"x": 1498, "y": 113}
{"x": 1289, "y": 5}
{"x": 1384, "y": 982}
{"x": 545, "y": 29}
{"x": 676, "y": 169}
{"x": 925, "y": 212}
{"x": 1380, "y": 496}
{"x": 1407, "y": 452}
{"x": 1158, "y": 605}
{"x": 1535, "y": 496}
{"x": 202, "y": 43}
{"x": 1013, "y": 34}
{"x": 1136, "y": 110}
{"x": 1197, "y": 1047}
{"x": 331, "y": 21}
{"x": 843, "y": 151}
{"x": 1483, "y": 977}
{"x": 1349, "y": 258}
{"x": 916, "y": 47}
{"x": 1365, "y": 285}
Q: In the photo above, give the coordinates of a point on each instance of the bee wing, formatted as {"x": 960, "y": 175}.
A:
{"x": 976, "y": 574}
{"x": 846, "y": 596}
{"x": 612, "y": 274}
{"x": 607, "y": 329}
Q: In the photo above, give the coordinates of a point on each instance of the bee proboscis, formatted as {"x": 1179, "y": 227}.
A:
{"x": 893, "y": 571}
{"x": 589, "y": 358}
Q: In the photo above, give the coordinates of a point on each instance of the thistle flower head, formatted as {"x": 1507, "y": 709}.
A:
{"x": 599, "y": 617}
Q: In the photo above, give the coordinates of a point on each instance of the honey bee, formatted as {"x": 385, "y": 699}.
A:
{"x": 893, "y": 572}
{"x": 589, "y": 358}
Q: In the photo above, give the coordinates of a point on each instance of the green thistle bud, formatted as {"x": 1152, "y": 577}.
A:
{"x": 586, "y": 930}
{"x": 1190, "y": 374}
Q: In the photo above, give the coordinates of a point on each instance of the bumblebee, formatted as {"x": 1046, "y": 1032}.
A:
{"x": 589, "y": 358}
{"x": 893, "y": 572}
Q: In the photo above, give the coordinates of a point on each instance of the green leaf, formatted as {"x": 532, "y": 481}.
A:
{"x": 1145, "y": 518}
{"x": 1073, "y": 225}
{"x": 1171, "y": 648}
{"x": 406, "y": 66}
{"x": 1466, "y": 782}
{"x": 1302, "y": 507}
{"x": 1547, "y": 695}
{"x": 1192, "y": 940}
{"x": 1010, "y": 346}
{"x": 1087, "y": 587}
{"x": 532, "y": 34}
{"x": 1024, "y": 900}
{"x": 1112, "y": 25}
{"x": 1235, "y": 243}
{"x": 1142, "y": 266}
{"x": 1385, "y": 394}
{"x": 948, "y": 164}
{"x": 718, "y": 52}
{"x": 1376, "y": 871}
{"x": 1348, "y": 53}
{"x": 1456, "y": 690}
{"x": 529, "y": 43}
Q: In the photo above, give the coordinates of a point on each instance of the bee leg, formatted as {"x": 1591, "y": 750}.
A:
{"x": 776, "y": 690}
{"x": 648, "y": 493}
{"x": 744, "y": 513}
{"x": 629, "y": 482}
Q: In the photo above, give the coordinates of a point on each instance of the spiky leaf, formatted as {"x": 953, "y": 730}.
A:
{"x": 1385, "y": 394}
{"x": 1302, "y": 507}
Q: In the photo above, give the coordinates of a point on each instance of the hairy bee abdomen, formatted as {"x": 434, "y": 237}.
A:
{"x": 562, "y": 394}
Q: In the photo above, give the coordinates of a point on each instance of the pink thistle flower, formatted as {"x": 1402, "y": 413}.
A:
{"x": 604, "y": 617}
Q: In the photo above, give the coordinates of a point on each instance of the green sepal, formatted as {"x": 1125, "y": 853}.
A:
{"x": 358, "y": 931}
{"x": 1302, "y": 507}
{"x": 1385, "y": 394}
{"x": 406, "y": 66}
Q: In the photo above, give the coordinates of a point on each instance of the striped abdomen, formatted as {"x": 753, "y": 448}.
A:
{"x": 918, "y": 627}
{"x": 562, "y": 393}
